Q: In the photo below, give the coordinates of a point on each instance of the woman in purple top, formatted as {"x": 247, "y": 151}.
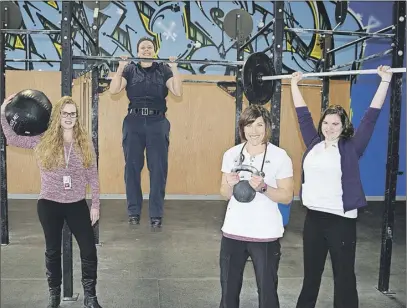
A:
{"x": 67, "y": 162}
{"x": 332, "y": 192}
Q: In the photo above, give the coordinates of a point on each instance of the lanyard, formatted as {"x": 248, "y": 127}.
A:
{"x": 242, "y": 158}
{"x": 69, "y": 154}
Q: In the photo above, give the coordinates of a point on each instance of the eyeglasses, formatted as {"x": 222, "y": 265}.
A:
{"x": 71, "y": 114}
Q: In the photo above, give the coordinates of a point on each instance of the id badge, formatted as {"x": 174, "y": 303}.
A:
{"x": 67, "y": 182}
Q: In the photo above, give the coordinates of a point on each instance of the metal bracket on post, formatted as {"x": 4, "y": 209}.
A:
{"x": 66, "y": 90}
{"x": 275, "y": 108}
{"x": 95, "y": 104}
{"x": 392, "y": 165}
{"x": 239, "y": 84}
{"x": 5, "y": 240}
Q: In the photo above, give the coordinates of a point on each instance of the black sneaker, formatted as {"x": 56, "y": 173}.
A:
{"x": 156, "y": 222}
{"x": 134, "y": 220}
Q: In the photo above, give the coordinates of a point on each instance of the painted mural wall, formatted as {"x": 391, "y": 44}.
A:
{"x": 194, "y": 30}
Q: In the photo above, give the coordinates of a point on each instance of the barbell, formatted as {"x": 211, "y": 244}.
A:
{"x": 258, "y": 73}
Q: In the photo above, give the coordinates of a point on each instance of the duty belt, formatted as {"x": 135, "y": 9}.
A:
{"x": 145, "y": 111}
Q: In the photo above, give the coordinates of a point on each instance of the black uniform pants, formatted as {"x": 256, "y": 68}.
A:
{"x": 266, "y": 259}
{"x": 325, "y": 232}
{"x": 150, "y": 133}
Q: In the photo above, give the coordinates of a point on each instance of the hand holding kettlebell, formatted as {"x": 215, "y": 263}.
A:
{"x": 232, "y": 178}
{"x": 244, "y": 191}
{"x": 256, "y": 182}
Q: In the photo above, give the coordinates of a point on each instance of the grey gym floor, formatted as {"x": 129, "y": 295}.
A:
{"x": 178, "y": 267}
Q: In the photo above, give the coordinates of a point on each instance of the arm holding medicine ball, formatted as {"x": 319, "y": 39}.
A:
{"x": 27, "y": 142}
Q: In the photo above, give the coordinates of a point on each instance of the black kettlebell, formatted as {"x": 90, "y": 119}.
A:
{"x": 242, "y": 191}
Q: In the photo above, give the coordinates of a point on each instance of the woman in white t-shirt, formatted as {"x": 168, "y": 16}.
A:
{"x": 253, "y": 228}
{"x": 332, "y": 192}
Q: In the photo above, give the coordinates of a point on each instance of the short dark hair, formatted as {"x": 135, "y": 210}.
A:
{"x": 145, "y": 39}
{"x": 249, "y": 115}
{"x": 347, "y": 131}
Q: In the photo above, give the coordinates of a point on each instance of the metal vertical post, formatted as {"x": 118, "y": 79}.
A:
{"x": 66, "y": 90}
{"x": 278, "y": 32}
{"x": 239, "y": 84}
{"x": 95, "y": 106}
{"x": 326, "y": 64}
{"x": 27, "y": 52}
{"x": 392, "y": 165}
{"x": 5, "y": 240}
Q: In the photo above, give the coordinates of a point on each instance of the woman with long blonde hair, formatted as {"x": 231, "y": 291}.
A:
{"x": 67, "y": 163}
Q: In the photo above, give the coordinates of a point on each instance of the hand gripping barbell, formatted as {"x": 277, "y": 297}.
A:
{"x": 257, "y": 75}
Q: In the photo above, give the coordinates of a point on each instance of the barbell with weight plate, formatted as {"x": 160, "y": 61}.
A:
{"x": 257, "y": 75}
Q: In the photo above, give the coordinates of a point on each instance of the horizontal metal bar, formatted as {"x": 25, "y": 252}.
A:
{"x": 32, "y": 60}
{"x": 322, "y": 74}
{"x": 305, "y": 85}
{"x": 27, "y": 31}
{"x": 225, "y": 81}
{"x": 358, "y": 40}
{"x": 208, "y": 81}
{"x": 376, "y": 55}
{"x": 351, "y": 33}
{"x": 190, "y": 80}
{"x": 103, "y": 58}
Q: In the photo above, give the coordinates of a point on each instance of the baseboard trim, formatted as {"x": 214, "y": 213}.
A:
{"x": 176, "y": 197}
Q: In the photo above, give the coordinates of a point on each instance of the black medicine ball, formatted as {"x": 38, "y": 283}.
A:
{"x": 29, "y": 112}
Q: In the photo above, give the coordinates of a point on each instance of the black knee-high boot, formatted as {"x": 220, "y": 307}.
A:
{"x": 54, "y": 277}
{"x": 89, "y": 277}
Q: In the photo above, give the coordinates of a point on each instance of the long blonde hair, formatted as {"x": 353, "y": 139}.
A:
{"x": 50, "y": 150}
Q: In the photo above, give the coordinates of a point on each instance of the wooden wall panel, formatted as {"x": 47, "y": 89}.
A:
{"x": 202, "y": 128}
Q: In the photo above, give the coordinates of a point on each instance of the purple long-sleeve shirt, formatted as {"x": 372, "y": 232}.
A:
{"x": 52, "y": 187}
{"x": 350, "y": 150}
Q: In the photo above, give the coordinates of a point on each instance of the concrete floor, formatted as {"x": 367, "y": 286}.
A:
{"x": 178, "y": 267}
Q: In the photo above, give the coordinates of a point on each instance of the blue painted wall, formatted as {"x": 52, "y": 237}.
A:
{"x": 193, "y": 29}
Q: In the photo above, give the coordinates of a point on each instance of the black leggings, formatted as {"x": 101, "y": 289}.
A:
{"x": 266, "y": 259}
{"x": 323, "y": 233}
{"x": 52, "y": 216}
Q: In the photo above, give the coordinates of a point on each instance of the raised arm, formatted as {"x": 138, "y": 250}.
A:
{"x": 365, "y": 130}
{"x": 307, "y": 128}
{"x": 174, "y": 83}
{"x": 119, "y": 81}
{"x": 380, "y": 96}
{"x": 27, "y": 142}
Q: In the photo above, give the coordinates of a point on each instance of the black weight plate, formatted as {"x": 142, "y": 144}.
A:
{"x": 245, "y": 20}
{"x": 10, "y": 14}
{"x": 258, "y": 91}
{"x": 93, "y": 4}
